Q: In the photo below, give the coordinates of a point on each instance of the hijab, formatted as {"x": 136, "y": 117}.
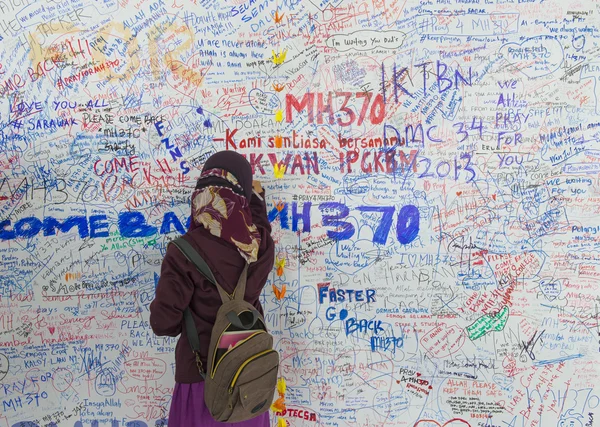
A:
{"x": 234, "y": 163}
{"x": 221, "y": 203}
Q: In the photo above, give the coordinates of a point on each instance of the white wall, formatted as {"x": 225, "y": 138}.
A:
{"x": 448, "y": 150}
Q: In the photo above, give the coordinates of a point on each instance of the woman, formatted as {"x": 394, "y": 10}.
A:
{"x": 229, "y": 228}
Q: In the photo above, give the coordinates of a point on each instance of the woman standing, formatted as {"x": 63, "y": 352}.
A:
{"x": 229, "y": 229}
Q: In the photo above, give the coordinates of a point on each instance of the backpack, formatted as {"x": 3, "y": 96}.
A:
{"x": 241, "y": 375}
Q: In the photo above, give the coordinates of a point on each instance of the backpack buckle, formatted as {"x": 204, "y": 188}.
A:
{"x": 199, "y": 365}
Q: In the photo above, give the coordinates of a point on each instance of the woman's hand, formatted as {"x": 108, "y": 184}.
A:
{"x": 257, "y": 186}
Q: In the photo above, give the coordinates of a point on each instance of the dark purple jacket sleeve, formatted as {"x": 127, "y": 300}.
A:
{"x": 266, "y": 253}
{"x": 259, "y": 213}
{"x": 173, "y": 295}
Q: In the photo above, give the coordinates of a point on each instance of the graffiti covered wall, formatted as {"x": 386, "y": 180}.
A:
{"x": 431, "y": 170}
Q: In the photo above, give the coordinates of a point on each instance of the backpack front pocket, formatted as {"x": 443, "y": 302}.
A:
{"x": 237, "y": 364}
{"x": 257, "y": 400}
{"x": 252, "y": 388}
{"x": 252, "y": 366}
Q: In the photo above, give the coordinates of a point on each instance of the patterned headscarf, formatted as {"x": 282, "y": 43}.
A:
{"x": 225, "y": 212}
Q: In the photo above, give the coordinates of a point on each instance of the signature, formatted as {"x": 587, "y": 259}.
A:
{"x": 528, "y": 347}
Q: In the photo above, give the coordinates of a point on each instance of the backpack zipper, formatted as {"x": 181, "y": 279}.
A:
{"x": 239, "y": 371}
{"x": 227, "y": 352}
{"x": 214, "y": 368}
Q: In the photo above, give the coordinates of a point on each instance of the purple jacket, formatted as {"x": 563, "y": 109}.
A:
{"x": 182, "y": 285}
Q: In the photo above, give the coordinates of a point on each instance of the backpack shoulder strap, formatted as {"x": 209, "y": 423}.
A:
{"x": 192, "y": 335}
{"x": 194, "y": 257}
{"x": 240, "y": 289}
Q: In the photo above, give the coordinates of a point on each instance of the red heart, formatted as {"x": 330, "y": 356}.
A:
{"x": 397, "y": 381}
{"x": 51, "y": 329}
{"x": 430, "y": 387}
{"x": 187, "y": 77}
{"x": 458, "y": 193}
{"x": 418, "y": 374}
{"x": 494, "y": 196}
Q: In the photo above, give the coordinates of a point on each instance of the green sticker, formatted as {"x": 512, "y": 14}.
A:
{"x": 487, "y": 323}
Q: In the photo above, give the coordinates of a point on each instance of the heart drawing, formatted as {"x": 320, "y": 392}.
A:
{"x": 453, "y": 420}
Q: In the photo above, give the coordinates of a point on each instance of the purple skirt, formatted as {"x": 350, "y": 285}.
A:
{"x": 189, "y": 410}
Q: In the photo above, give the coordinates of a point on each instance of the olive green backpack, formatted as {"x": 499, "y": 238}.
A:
{"x": 240, "y": 381}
